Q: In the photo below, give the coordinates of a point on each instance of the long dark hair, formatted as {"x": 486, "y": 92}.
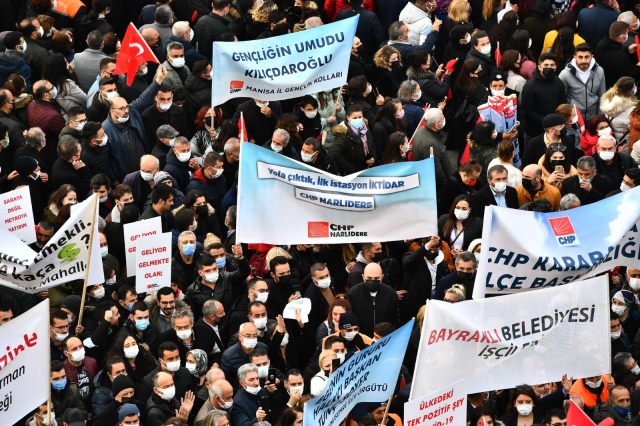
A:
{"x": 508, "y": 61}
{"x": 566, "y": 163}
{"x": 465, "y": 83}
{"x": 563, "y": 48}
{"x": 392, "y": 148}
{"x": 56, "y": 71}
{"x": 388, "y": 110}
{"x": 288, "y": 416}
{"x": 520, "y": 42}
{"x": 521, "y": 390}
{"x": 503, "y": 32}
{"x": 451, "y": 217}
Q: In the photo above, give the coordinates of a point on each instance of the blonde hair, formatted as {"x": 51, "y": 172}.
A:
{"x": 420, "y": 315}
{"x": 381, "y": 58}
{"x": 459, "y": 11}
{"x": 211, "y": 238}
{"x": 458, "y": 291}
{"x": 261, "y": 14}
{"x": 274, "y": 252}
{"x": 488, "y": 6}
{"x": 326, "y": 354}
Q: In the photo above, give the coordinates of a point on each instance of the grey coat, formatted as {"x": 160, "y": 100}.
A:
{"x": 586, "y": 97}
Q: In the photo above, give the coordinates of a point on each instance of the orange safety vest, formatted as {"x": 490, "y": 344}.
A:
{"x": 590, "y": 400}
{"x": 68, "y": 7}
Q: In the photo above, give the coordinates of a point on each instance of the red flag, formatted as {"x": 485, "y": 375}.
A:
{"x": 638, "y": 47}
{"x": 498, "y": 55}
{"x": 580, "y": 119}
{"x": 242, "y": 129}
{"x": 134, "y": 51}
{"x": 577, "y": 417}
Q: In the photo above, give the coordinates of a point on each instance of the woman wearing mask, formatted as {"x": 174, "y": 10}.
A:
{"x": 521, "y": 41}
{"x": 522, "y": 408}
{"x": 465, "y": 182}
{"x": 572, "y": 127}
{"x": 358, "y": 92}
{"x": 17, "y": 85}
{"x": 204, "y": 140}
{"x": 353, "y": 148}
{"x": 197, "y": 364}
{"x": 319, "y": 381}
{"x": 387, "y": 61}
{"x": 457, "y": 14}
{"x": 206, "y": 222}
{"x": 433, "y": 85}
{"x": 139, "y": 361}
{"x": 556, "y": 165}
{"x": 510, "y": 63}
{"x": 409, "y": 94}
{"x": 625, "y": 305}
{"x": 339, "y": 306}
{"x": 468, "y": 93}
{"x": 460, "y": 226}
{"x": 617, "y": 104}
{"x": 331, "y": 112}
{"x": 389, "y": 119}
{"x": 308, "y": 117}
{"x": 597, "y": 126}
{"x": 396, "y": 149}
{"x": 66, "y": 92}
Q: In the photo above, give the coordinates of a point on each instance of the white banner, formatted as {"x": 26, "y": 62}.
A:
{"x": 502, "y": 342}
{"x": 24, "y": 363}
{"x": 524, "y": 251}
{"x": 63, "y": 259}
{"x": 322, "y": 208}
{"x": 153, "y": 262}
{"x": 134, "y": 232}
{"x": 16, "y": 214}
{"x": 283, "y": 67}
{"x": 444, "y": 407}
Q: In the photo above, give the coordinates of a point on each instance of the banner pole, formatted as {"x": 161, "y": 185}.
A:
{"x": 386, "y": 411}
{"x": 86, "y": 272}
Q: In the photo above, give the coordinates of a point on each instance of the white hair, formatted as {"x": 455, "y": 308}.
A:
{"x": 626, "y": 17}
{"x": 180, "y": 28}
{"x": 432, "y": 116}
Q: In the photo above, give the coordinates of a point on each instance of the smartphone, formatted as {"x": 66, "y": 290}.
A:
{"x": 443, "y": 99}
{"x": 272, "y": 375}
{"x": 515, "y": 126}
{"x": 335, "y": 364}
{"x": 297, "y": 289}
{"x": 560, "y": 169}
{"x": 265, "y": 403}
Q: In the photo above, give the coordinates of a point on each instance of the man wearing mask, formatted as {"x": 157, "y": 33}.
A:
{"x": 165, "y": 402}
{"x": 69, "y": 168}
{"x": 321, "y": 293}
{"x": 281, "y": 285}
{"x": 430, "y": 136}
{"x": 177, "y": 71}
{"x": 585, "y": 82}
{"x": 107, "y": 67}
{"x": 289, "y": 394}
{"x": 141, "y": 181}
{"x": 220, "y": 398}
{"x": 180, "y": 162}
{"x": 209, "y": 180}
{"x": 12, "y": 60}
{"x": 164, "y": 112}
{"x": 64, "y": 394}
{"x": 226, "y": 262}
{"x": 372, "y": 301}
{"x": 481, "y": 52}
{"x": 98, "y": 109}
{"x": 257, "y": 290}
{"x": 554, "y": 133}
{"x": 181, "y": 334}
{"x": 79, "y": 369}
{"x": 632, "y": 280}
{"x": 169, "y": 362}
{"x": 73, "y": 130}
{"x": 589, "y": 185}
{"x": 139, "y": 326}
{"x": 210, "y": 27}
{"x": 540, "y": 96}
{"x": 619, "y": 340}
{"x": 208, "y": 330}
{"x": 313, "y": 154}
{"x": 238, "y": 354}
{"x": 260, "y": 118}
{"x": 45, "y": 113}
{"x": 369, "y": 253}
{"x": 534, "y": 188}
{"x": 182, "y": 33}
{"x": 349, "y": 331}
{"x": 35, "y": 54}
{"x": 122, "y": 196}
{"x": 246, "y": 404}
{"x": 497, "y": 193}
{"x": 44, "y": 232}
{"x": 124, "y": 399}
{"x": 95, "y": 149}
{"x": 58, "y": 331}
{"x": 103, "y": 393}
{"x": 211, "y": 284}
{"x": 617, "y": 408}
{"x": 257, "y": 314}
{"x": 610, "y": 162}
{"x": 466, "y": 266}
{"x": 162, "y": 198}
{"x": 279, "y": 143}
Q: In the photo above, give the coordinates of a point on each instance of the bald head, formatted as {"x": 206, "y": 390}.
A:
{"x": 372, "y": 271}
{"x": 214, "y": 374}
{"x": 531, "y": 171}
{"x": 151, "y": 36}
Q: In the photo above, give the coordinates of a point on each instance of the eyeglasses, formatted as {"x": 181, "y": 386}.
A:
{"x": 555, "y": 147}
{"x": 122, "y": 109}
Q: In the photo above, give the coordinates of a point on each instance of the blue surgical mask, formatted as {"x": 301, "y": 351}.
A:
{"x": 131, "y": 307}
{"x": 584, "y": 180}
{"x": 188, "y": 249}
{"x": 142, "y": 324}
{"x": 59, "y": 384}
{"x": 55, "y": 92}
{"x": 221, "y": 262}
{"x": 357, "y": 123}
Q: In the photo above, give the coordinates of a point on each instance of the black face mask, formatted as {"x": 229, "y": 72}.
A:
{"x": 208, "y": 121}
{"x": 202, "y": 211}
{"x": 372, "y": 285}
{"x": 527, "y": 184}
{"x": 127, "y": 400}
{"x": 395, "y": 64}
{"x": 563, "y": 132}
{"x": 377, "y": 257}
{"x": 327, "y": 372}
{"x": 286, "y": 280}
{"x": 465, "y": 276}
{"x": 548, "y": 72}
{"x": 431, "y": 255}
{"x": 556, "y": 162}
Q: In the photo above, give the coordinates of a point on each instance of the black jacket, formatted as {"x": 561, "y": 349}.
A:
{"x": 536, "y": 149}
{"x": 324, "y": 162}
{"x": 373, "y": 310}
{"x": 179, "y": 170}
{"x": 601, "y": 186}
{"x": 615, "y": 172}
{"x": 369, "y": 30}
{"x": 64, "y": 172}
{"x": 452, "y": 188}
{"x": 97, "y": 158}
{"x": 98, "y": 110}
{"x": 487, "y": 63}
{"x": 348, "y": 149}
{"x": 182, "y": 379}
{"x": 208, "y": 341}
{"x": 381, "y": 132}
{"x": 485, "y": 197}
{"x": 159, "y": 410}
{"x": 198, "y": 96}
{"x": 152, "y": 119}
{"x": 259, "y": 127}
{"x": 540, "y": 96}
{"x": 616, "y": 61}
{"x": 472, "y": 231}
{"x": 209, "y": 29}
{"x": 417, "y": 281}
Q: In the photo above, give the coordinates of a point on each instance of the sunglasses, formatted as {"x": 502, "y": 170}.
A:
{"x": 558, "y": 147}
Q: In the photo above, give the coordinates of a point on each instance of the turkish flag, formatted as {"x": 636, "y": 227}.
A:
{"x": 577, "y": 417}
{"x": 133, "y": 52}
{"x": 242, "y": 129}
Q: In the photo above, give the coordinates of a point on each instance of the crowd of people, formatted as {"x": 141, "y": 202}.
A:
{"x": 213, "y": 348}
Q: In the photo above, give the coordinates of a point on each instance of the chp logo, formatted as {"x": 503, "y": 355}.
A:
{"x": 318, "y": 229}
{"x": 236, "y": 86}
{"x": 332, "y": 230}
{"x": 564, "y": 232}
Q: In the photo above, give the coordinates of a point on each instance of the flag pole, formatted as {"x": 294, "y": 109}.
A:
{"x": 386, "y": 411}
{"x": 86, "y": 272}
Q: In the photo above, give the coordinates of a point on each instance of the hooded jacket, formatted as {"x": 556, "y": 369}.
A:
{"x": 585, "y": 96}
{"x": 213, "y": 189}
{"x": 416, "y": 20}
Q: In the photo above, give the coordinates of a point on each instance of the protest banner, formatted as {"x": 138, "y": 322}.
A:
{"x": 523, "y": 251}
{"x": 16, "y": 215}
{"x": 64, "y": 258}
{"x": 503, "y": 342}
{"x": 303, "y": 205}
{"x": 135, "y": 231}
{"x": 503, "y": 112}
{"x": 24, "y": 364}
{"x": 444, "y": 407}
{"x": 283, "y": 67}
{"x": 368, "y": 376}
{"x": 153, "y": 262}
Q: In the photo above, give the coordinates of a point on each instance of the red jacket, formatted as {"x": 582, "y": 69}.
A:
{"x": 332, "y": 7}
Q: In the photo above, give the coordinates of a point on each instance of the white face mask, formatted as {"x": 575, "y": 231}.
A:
{"x": 606, "y": 155}
{"x": 604, "y": 132}
{"x": 524, "y": 409}
{"x": 593, "y": 385}
{"x": 624, "y": 187}
{"x": 325, "y": 283}
{"x": 60, "y": 336}
{"x": 45, "y": 419}
{"x": 294, "y": 389}
{"x": 131, "y": 352}
{"x": 183, "y": 334}
{"x": 193, "y": 368}
{"x": 634, "y": 283}
{"x": 212, "y": 277}
{"x": 41, "y": 31}
{"x": 307, "y": 158}
{"x": 80, "y": 126}
{"x": 99, "y": 293}
{"x": 342, "y": 357}
{"x": 177, "y": 62}
{"x": 276, "y": 148}
{"x": 311, "y": 114}
{"x": 77, "y": 356}
{"x": 168, "y": 393}
{"x": 461, "y": 214}
{"x": 500, "y": 186}
{"x": 164, "y": 107}
{"x": 146, "y": 176}
{"x": 497, "y": 92}
{"x": 253, "y": 390}
{"x": 249, "y": 343}
{"x": 485, "y": 50}
{"x": 615, "y": 335}
{"x": 172, "y": 366}
{"x": 191, "y": 34}
{"x": 350, "y": 335}
{"x": 263, "y": 371}
{"x": 620, "y": 310}
{"x": 111, "y": 95}
{"x": 260, "y": 323}
{"x": 104, "y": 140}
{"x": 103, "y": 199}
{"x": 262, "y": 297}
{"x": 144, "y": 71}
{"x": 122, "y": 119}
{"x": 262, "y": 104}
{"x": 184, "y": 156}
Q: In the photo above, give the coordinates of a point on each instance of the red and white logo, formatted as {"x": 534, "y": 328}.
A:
{"x": 564, "y": 232}
{"x": 318, "y": 229}
{"x": 236, "y": 86}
